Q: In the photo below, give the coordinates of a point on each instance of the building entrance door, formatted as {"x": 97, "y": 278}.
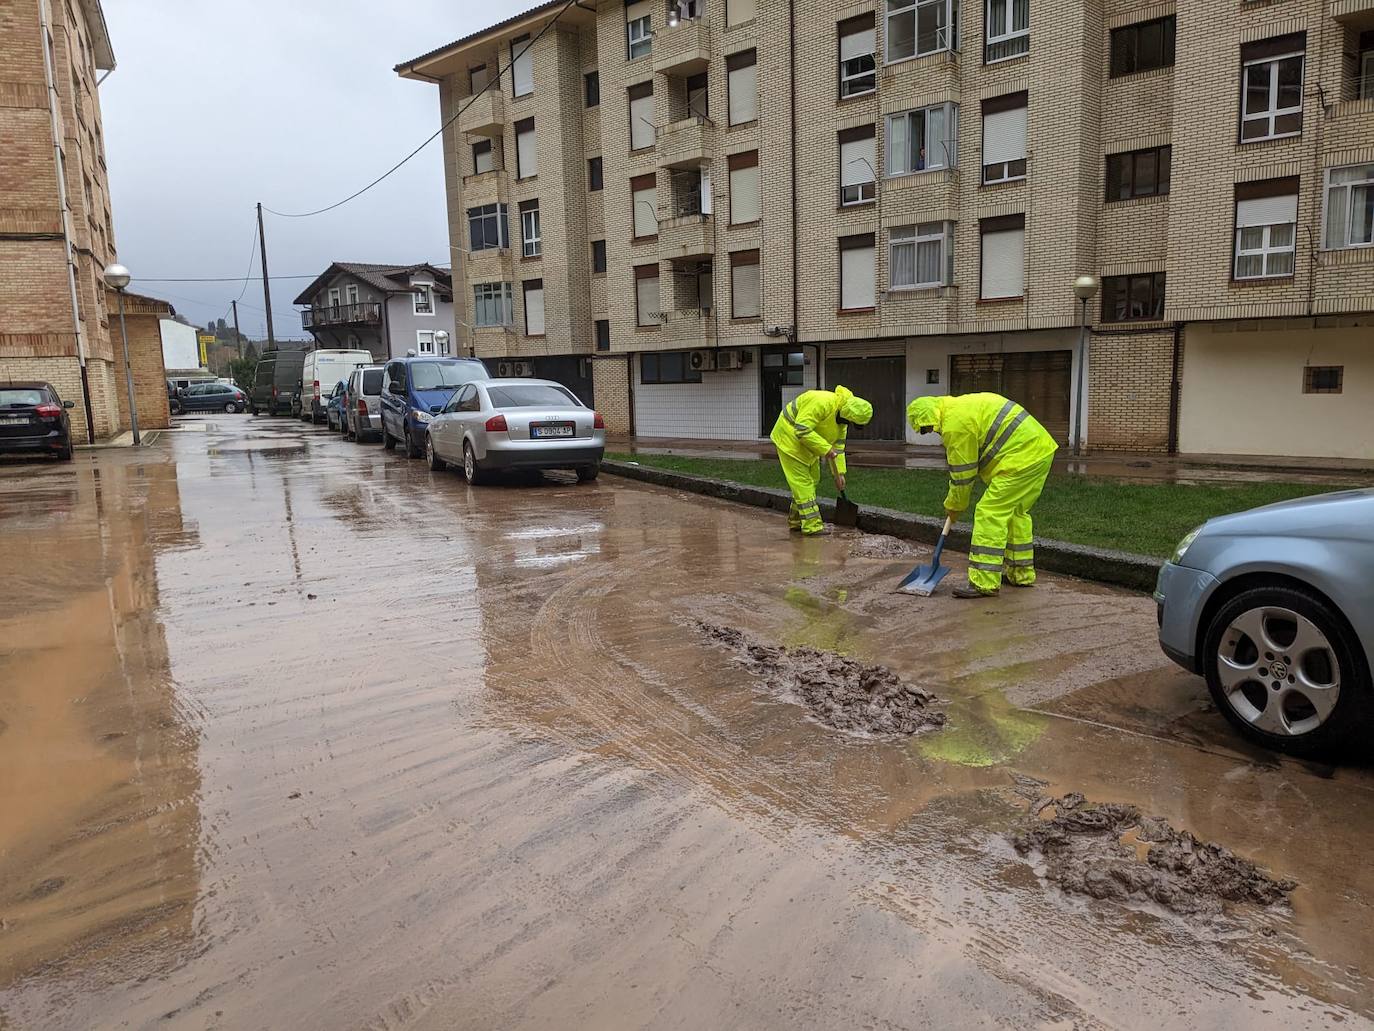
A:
{"x": 783, "y": 367}
{"x": 1039, "y": 381}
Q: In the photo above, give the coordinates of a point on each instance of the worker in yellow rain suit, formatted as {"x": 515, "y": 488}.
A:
{"x": 986, "y": 435}
{"x": 811, "y": 428}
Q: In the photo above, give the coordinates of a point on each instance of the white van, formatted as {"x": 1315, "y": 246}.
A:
{"x": 322, "y": 369}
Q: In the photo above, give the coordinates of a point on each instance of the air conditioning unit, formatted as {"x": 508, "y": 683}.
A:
{"x": 729, "y": 360}
{"x": 522, "y": 368}
{"x": 504, "y": 370}
{"x": 701, "y": 361}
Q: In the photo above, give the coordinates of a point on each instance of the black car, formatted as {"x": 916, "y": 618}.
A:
{"x": 209, "y": 397}
{"x": 34, "y": 419}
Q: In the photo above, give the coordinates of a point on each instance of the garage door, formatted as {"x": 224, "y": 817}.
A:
{"x": 881, "y": 381}
{"x": 1040, "y": 381}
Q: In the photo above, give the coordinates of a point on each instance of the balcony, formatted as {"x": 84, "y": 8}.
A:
{"x": 683, "y": 49}
{"x": 489, "y": 265}
{"x": 365, "y": 313}
{"x": 687, "y": 327}
{"x": 486, "y": 114}
{"x": 685, "y": 143}
{"x": 688, "y": 236}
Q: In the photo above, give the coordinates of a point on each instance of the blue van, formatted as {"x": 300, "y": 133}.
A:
{"x": 414, "y": 390}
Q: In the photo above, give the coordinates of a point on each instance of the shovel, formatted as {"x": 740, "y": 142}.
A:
{"x": 846, "y": 512}
{"x": 923, "y": 580}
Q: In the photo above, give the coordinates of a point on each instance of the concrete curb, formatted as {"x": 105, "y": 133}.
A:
{"x": 1119, "y": 568}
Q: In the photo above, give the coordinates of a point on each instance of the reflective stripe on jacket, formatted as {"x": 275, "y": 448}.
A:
{"x": 807, "y": 428}
{"x": 985, "y": 434}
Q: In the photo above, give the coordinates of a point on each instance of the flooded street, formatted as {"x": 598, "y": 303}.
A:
{"x": 296, "y": 733}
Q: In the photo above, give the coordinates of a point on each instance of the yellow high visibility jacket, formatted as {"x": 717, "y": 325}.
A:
{"x": 807, "y": 428}
{"x": 984, "y": 435}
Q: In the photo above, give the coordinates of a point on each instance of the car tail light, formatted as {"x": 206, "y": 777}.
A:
{"x": 274, "y": 391}
{"x": 598, "y": 423}
{"x": 48, "y": 411}
{"x": 362, "y": 406}
{"x": 317, "y": 390}
{"x": 497, "y": 422}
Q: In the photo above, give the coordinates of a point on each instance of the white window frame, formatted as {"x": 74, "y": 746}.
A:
{"x": 639, "y": 37}
{"x": 1006, "y": 173}
{"x": 334, "y": 298}
{"x": 531, "y": 241}
{"x": 424, "y": 342}
{"x": 501, "y": 215}
{"x": 1005, "y": 33}
{"x": 945, "y": 151}
{"x": 1271, "y": 113}
{"x": 1266, "y": 250}
{"x": 351, "y": 293}
{"x": 418, "y": 290}
{"x": 946, "y": 37}
{"x": 848, "y": 75}
{"x": 940, "y": 234}
{"x": 860, "y": 191}
{"x": 1343, "y": 242}
{"x": 487, "y": 296}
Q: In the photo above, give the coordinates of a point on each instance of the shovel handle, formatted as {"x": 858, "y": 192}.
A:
{"x": 940, "y": 544}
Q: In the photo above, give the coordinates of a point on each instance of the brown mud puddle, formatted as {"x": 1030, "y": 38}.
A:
{"x": 840, "y": 692}
{"x": 1108, "y": 850}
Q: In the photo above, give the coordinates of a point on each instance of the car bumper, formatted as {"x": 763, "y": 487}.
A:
{"x": 56, "y": 441}
{"x": 543, "y": 454}
{"x": 1180, "y": 594}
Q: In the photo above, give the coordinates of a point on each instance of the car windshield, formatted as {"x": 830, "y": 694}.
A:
{"x": 13, "y": 398}
{"x": 440, "y": 375}
{"x": 536, "y": 395}
{"x": 372, "y": 381}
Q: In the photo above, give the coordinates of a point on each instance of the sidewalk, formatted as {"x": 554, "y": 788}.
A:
{"x": 1143, "y": 466}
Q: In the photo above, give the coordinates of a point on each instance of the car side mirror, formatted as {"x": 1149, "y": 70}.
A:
{"x": 68, "y": 404}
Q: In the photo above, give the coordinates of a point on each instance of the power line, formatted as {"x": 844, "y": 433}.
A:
{"x": 247, "y": 275}
{"x": 457, "y": 114}
{"x": 235, "y": 279}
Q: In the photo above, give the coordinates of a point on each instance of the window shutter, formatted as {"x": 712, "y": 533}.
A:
{"x": 858, "y": 160}
{"x": 857, "y": 280}
{"x": 738, "y": 11}
{"x": 743, "y": 87}
{"x": 645, "y": 200}
{"x": 744, "y": 189}
{"x": 647, "y": 302}
{"x": 745, "y": 302}
{"x": 478, "y": 79}
{"x": 1266, "y": 211}
{"x": 858, "y": 44}
{"x": 526, "y": 153}
{"x": 643, "y": 9}
{"x": 522, "y": 68}
{"x": 1004, "y": 135}
{"x": 642, "y": 131}
{"x": 1003, "y": 263}
{"x": 534, "y": 308}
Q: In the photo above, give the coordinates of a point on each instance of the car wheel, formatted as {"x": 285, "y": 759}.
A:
{"x": 436, "y": 464}
{"x": 65, "y": 455}
{"x": 1284, "y": 667}
{"x": 587, "y": 473}
{"x": 412, "y": 448}
{"x": 175, "y": 406}
{"x": 472, "y": 470}
{"x": 230, "y": 407}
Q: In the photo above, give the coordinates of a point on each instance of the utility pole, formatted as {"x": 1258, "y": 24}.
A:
{"x": 238, "y": 337}
{"x": 266, "y": 291}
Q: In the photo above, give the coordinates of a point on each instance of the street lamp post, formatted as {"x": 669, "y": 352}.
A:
{"x": 441, "y": 341}
{"x": 117, "y": 276}
{"x": 1085, "y": 289}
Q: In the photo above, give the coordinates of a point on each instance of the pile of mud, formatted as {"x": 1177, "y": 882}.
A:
{"x": 840, "y": 692}
{"x": 878, "y": 545}
{"x": 1091, "y": 849}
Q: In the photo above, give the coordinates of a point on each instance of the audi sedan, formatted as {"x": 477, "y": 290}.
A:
{"x": 1275, "y": 608}
{"x": 498, "y": 424}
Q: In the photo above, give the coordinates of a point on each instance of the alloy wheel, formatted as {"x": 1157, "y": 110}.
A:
{"x": 469, "y": 463}
{"x": 1278, "y": 671}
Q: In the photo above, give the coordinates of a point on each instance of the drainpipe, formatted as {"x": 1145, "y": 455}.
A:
{"x": 1175, "y": 389}
{"x": 50, "y": 80}
{"x": 792, "y": 136}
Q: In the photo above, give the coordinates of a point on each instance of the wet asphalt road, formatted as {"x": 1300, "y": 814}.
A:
{"x": 295, "y": 733}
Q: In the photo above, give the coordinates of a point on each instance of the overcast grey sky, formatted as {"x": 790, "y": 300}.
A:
{"x": 216, "y": 106}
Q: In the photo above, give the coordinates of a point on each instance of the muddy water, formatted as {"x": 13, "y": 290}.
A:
{"x": 297, "y": 734}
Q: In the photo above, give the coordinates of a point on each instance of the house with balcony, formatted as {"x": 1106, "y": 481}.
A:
{"x": 389, "y": 310}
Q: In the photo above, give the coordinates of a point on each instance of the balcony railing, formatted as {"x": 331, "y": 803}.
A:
{"x": 363, "y": 313}
{"x": 688, "y": 327}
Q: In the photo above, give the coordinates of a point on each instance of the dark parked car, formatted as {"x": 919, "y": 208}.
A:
{"x": 209, "y": 397}
{"x": 333, "y": 407}
{"x": 278, "y": 380}
{"x": 415, "y": 390}
{"x": 34, "y": 419}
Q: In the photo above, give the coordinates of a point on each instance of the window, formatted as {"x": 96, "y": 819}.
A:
{"x": 921, "y": 256}
{"x": 424, "y": 341}
{"x": 639, "y": 37}
{"x": 857, "y": 166}
{"x": 698, "y": 98}
{"x": 1323, "y": 379}
{"x": 745, "y": 297}
{"x": 1004, "y": 138}
{"x": 742, "y": 85}
{"x": 483, "y": 160}
{"x": 744, "y": 187}
{"x": 858, "y": 69}
{"x": 598, "y": 256}
{"x": 1143, "y": 47}
{"x": 1008, "y": 29}
{"x": 668, "y": 367}
{"x": 1138, "y": 173}
{"x": 1266, "y": 223}
{"x": 1002, "y": 257}
{"x": 643, "y": 131}
{"x": 529, "y": 229}
{"x": 491, "y": 304}
{"x": 422, "y": 298}
{"x": 1271, "y": 88}
{"x": 603, "y": 334}
{"x": 646, "y": 296}
{"x": 594, "y": 174}
{"x": 926, "y": 138}
{"x": 534, "y": 307}
{"x": 522, "y": 66}
{"x": 857, "y": 282}
{"x": 1133, "y": 298}
{"x": 1364, "y": 70}
{"x": 487, "y": 227}
{"x": 737, "y": 12}
{"x": 591, "y": 89}
{"x": 351, "y": 293}
{"x": 1350, "y": 206}
{"x": 644, "y": 197}
{"x": 526, "y": 153}
{"x": 333, "y": 296}
{"x": 478, "y": 78}
{"x": 916, "y": 28}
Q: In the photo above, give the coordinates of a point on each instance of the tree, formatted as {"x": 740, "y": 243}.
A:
{"x": 244, "y": 370}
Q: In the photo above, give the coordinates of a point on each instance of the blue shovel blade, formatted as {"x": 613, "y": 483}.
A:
{"x": 923, "y": 580}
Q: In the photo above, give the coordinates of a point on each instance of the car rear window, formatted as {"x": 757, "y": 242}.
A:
{"x": 439, "y": 375}
{"x": 536, "y": 395}
{"x": 11, "y": 396}
{"x": 372, "y": 381}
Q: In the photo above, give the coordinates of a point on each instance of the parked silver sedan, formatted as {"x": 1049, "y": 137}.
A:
{"x": 495, "y": 424}
{"x": 1275, "y": 607}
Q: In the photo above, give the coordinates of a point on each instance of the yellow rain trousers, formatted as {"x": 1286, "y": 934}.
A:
{"x": 805, "y": 431}
{"x": 987, "y": 436}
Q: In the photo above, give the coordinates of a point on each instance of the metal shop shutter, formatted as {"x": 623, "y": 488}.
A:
{"x": 1041, "y": 381}
{"x": 879, "y": 380}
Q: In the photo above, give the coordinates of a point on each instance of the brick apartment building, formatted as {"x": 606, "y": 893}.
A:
{"x": 718, "y": 203}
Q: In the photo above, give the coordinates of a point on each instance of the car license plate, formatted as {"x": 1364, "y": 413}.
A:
{"x": 552, "y": 429}
{"x": 12, "y": 419}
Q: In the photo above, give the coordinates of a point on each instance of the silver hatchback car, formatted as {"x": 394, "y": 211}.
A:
{"x": 1275, "y": 607}
{"x": 495, "y": 424}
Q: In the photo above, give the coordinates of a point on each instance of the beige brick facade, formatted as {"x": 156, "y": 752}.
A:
{"x": 1078, "y": 117}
